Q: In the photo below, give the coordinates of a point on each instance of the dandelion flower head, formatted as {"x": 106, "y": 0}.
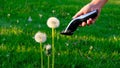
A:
{"x": 53, "y": 22}
{"x": 40, "y": 37}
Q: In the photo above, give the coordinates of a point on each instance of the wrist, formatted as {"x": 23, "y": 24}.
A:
{"x": 99, "y": 3}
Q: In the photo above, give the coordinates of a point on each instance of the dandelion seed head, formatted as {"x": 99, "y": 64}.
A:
{"x": 10, "y": 26}
{"x": 53, "y": 11}
{"x": 17, "y": 21}
{"x": 40, "y": 37}
{"x": 91, "y": 47}
{"x": 68, "y": 14}
{"x": 58, "y": 54}
{"x": 8, "y": 15}
{"x": 40, "y": 15}
{"x": 53, "y": 22}
{"x": 67, "y": 44}
{"x": 48, "y": 47}
{"x": 29, "y": 19}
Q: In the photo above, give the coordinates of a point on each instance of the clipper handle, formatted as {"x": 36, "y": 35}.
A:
{"x": 72, "y": 26}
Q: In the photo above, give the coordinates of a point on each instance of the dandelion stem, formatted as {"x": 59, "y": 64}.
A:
{"x": 41, "y": 55}
{"x": 53, "y": 49}
{"x": 48, "y": 61}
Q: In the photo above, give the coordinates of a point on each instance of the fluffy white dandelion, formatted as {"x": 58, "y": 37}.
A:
{"x": 48, "y": 47}
{"x": 53, "y": 22}
{"x": 29, "y": 19}
{"x": 40, "y": 37}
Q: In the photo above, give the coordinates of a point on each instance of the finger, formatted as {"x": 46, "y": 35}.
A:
{"x": 83, "y": 24}
{"x": 89, "y": 21}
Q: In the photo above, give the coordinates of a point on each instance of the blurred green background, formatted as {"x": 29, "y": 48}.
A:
{"x": 95, "y": 46}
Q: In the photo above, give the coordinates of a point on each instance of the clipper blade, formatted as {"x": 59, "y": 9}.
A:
{"x": 68, "y": 32}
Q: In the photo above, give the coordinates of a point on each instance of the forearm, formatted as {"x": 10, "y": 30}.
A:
{"x": 100, "y": 3}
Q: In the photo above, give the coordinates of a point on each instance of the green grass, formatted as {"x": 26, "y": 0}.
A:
{"x": 18, "y": 49}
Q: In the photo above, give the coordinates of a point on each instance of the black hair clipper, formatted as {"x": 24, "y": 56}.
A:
{"x": 72, "y": 26}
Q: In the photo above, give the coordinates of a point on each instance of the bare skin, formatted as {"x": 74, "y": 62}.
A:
{"x": 93, "y": 5}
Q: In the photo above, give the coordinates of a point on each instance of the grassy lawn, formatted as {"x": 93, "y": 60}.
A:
{"x": 95, "y": 46}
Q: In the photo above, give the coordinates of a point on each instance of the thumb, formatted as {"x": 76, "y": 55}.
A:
{"x": 78, "y": 14}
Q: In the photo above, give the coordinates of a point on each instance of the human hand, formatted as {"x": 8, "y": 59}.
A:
{"x": 93, "y": 5}
{"x": 88, "y": 8}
